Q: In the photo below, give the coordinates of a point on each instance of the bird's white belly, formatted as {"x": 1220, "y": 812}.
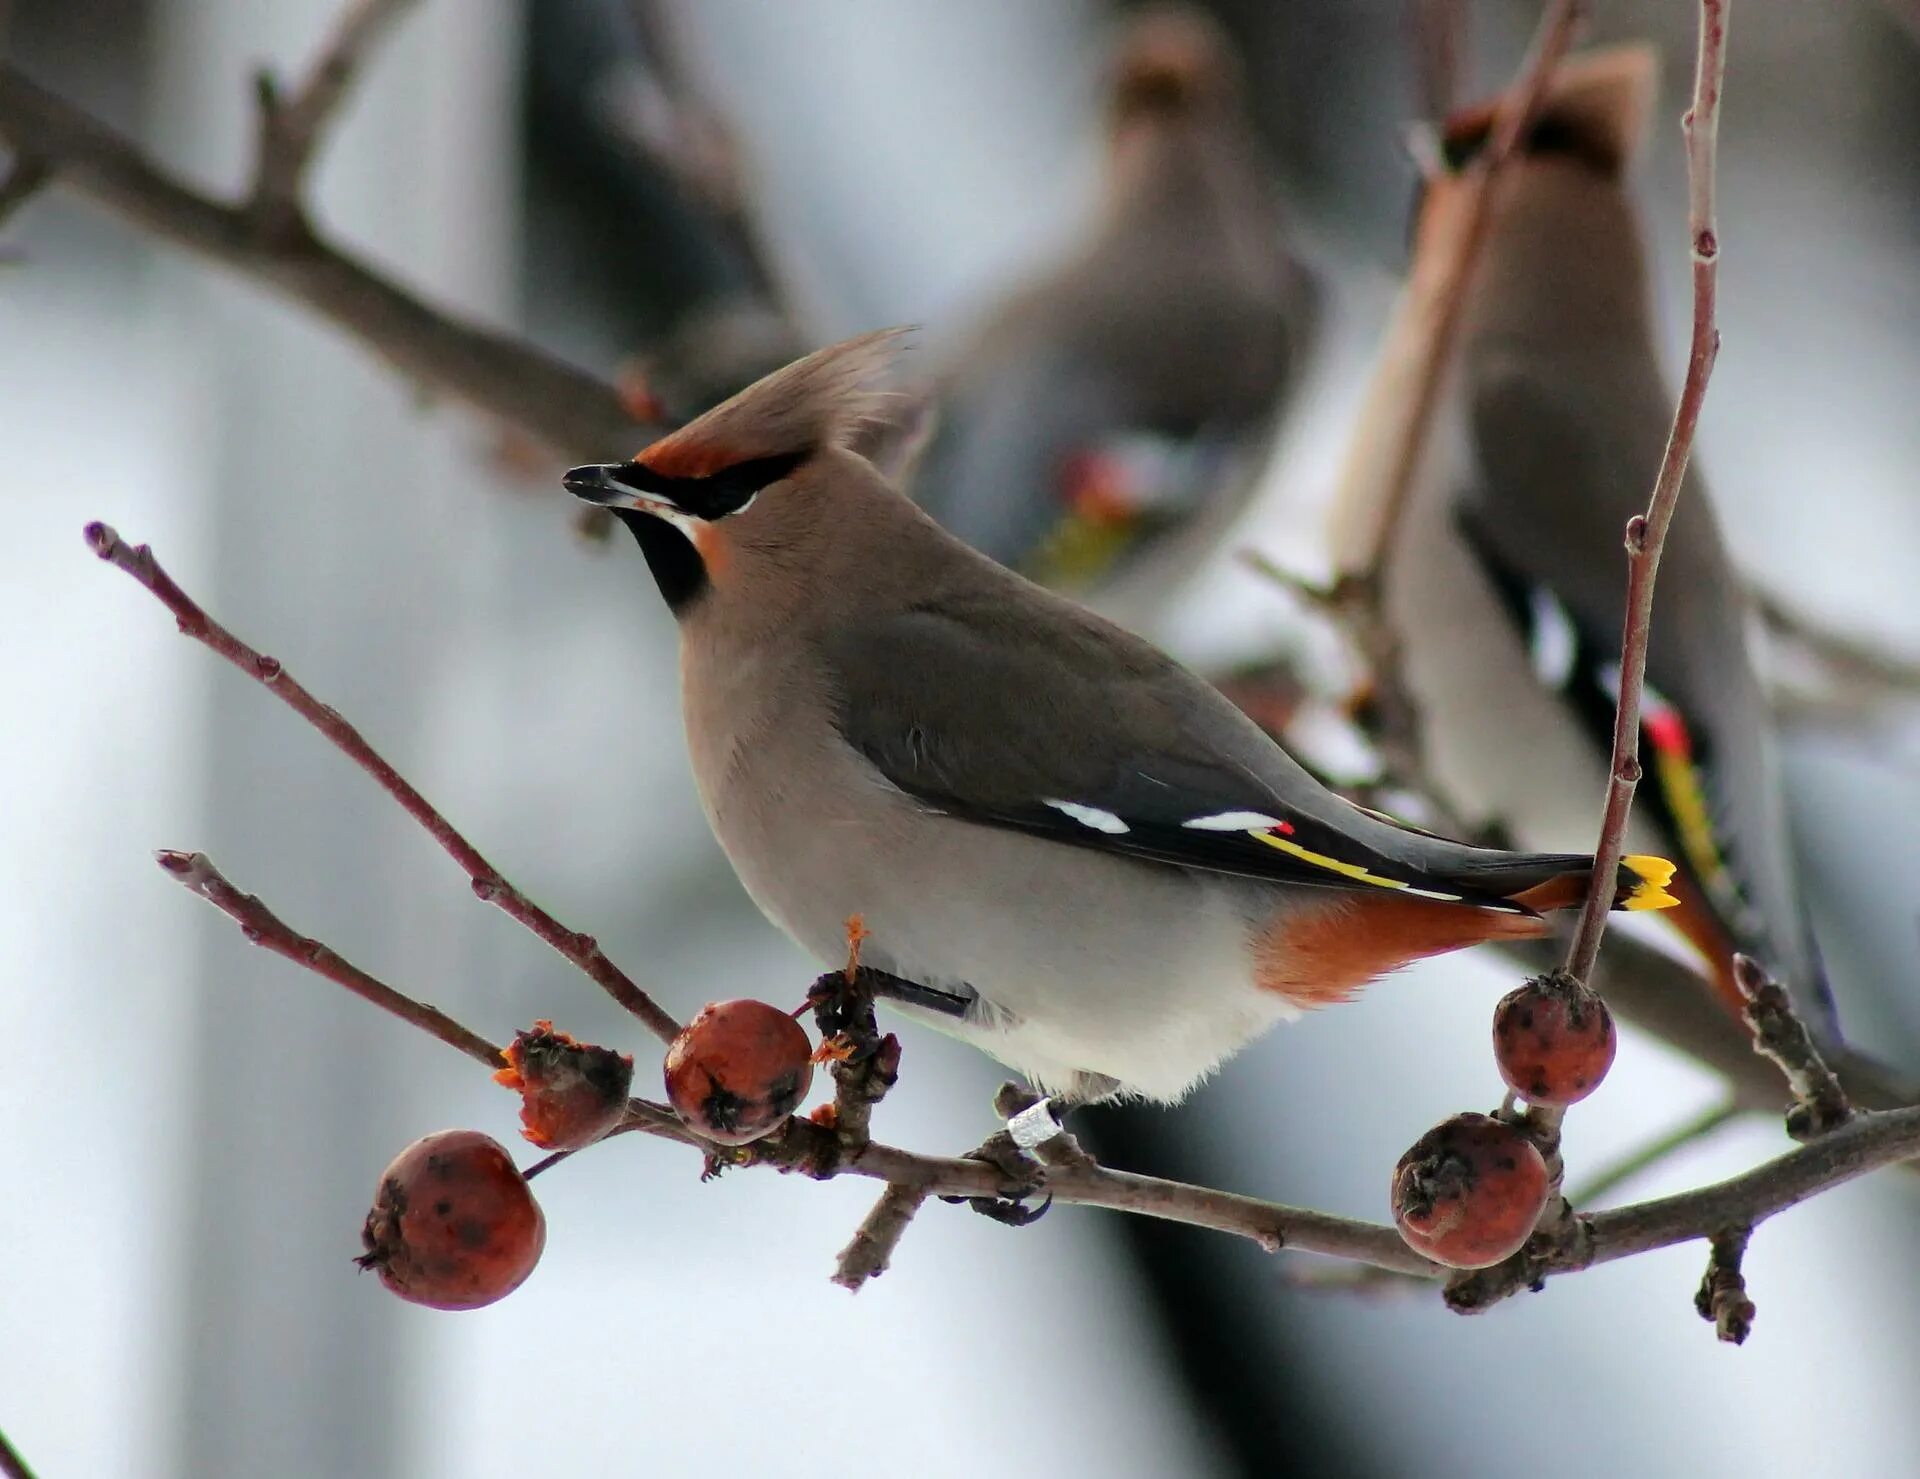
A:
{"x": 1086, "y": 964}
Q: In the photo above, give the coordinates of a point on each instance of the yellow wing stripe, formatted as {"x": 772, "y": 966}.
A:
{"x": 1653, "y": 875}
{"x": 1346, "y": 870}
{"x": 1687, "y": 800}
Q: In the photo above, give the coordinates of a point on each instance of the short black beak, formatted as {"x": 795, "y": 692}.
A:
{"x": 595, "y": 483}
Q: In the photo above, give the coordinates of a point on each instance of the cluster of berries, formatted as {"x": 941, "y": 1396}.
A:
{"x": 1470, "y": 1191}
{"x": 454, "y": 1223}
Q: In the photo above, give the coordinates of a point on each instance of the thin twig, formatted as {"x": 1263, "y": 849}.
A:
{"x": 292, "y": 126}
{"x": 1865, "y": 1143}
{"x": 1400, "y": 402}
{"x": 1611, "y": 1177}
{"x": 498, "y": 374}
{"x": 1402, "y": 399}
{"x": 196, "y": 872}
{"x": 488, "y": 883}
{"x": 1722, "y": 1298}
{"x": 1557, "y": 1236}
{"x": 1820, "y": 1103}
{"x": 865, "y": 1063}
{"x": 870, "y": 1253}
{"x": 1647, "y": 533}
{"x": 12, "y": 1466}
{"x": 1825, "y": 678}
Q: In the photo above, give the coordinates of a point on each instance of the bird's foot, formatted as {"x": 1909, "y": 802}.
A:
{"x": 1032, "y": 1142}
{"x": 1037, "y": 1125}
{"x": 1021, "y": 1178}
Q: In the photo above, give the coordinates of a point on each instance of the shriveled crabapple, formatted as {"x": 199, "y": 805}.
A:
{"x": 571, "y": 1093}
{"x": 1469, "y": 1191}
{"x": 738, "y": 1069}
{"x": 454, "y": 1225}
{"x": 1553, "y": 1040}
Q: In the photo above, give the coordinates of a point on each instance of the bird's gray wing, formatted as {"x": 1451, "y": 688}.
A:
{"x": 1545, "y": 517}
{"x": 1072, "y": 731}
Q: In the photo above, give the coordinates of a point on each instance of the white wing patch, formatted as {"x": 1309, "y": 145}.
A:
{"x": 1089, "y": 816}
{"x": 1233, "y": 821}
{"x": 1554, "y": 644}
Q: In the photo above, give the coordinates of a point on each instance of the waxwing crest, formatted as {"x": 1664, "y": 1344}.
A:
{"x": 1595, "y": 109}
{"x": 1171, "y": 59}
{"x": 823, "y": 400}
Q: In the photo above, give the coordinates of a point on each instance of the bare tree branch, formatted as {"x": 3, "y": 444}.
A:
{"x": 1400, "y": 402}
{"x": 1820, "y": 1104}
{"x": 1644, "y": 1157}
{"x": 871, "y": 1251}
{"x": 1859, "y": 1145}
{"x": 292, "y": 127}
{"x": 195, "y": 872}
{"x": 12, "y": 1466}
{"x": 1647, "y": 533}
{"x": 1825, "y": 679}
{"x": 1559, "y": 1235}
{"x": 495, "y": 373}
{"x": 489, "y": 884}
{"x": 1722, "y": 1297}
{"x": 1865, "y": 1143}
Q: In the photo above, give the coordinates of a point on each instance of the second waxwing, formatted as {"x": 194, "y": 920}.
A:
{"x": 1064, "y": 847}
{"x": 1102, "y": 417}
{"x": 1503, "y": 577}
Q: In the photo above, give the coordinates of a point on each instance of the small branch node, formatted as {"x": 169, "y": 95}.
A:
{"x": 1722, "y": 1297}
{"x": 1820, "y": 1103}
{"x": 870, "y": 1253}
{"x": 865, "y": 1064}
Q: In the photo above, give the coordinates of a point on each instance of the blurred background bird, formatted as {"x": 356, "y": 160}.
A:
{"x": 1116, "y": 404}
{"x": 546, "y": 167}
{"x": 1494, "y": 576}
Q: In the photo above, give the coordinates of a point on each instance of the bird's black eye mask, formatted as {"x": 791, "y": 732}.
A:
{"x": 712, "y": 497}
{"x": 1467, "y": 135}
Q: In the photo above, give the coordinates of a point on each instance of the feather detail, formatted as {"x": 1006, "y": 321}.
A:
{"x": 823, "y": 400}
{"x": 1595, "y": 109}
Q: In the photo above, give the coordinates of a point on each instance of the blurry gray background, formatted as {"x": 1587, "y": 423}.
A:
{"x": 193, "y": 1128}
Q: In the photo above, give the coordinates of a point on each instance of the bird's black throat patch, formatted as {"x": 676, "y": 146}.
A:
{"x": 675, "y": 564}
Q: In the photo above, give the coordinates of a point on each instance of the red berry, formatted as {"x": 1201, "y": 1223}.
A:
{"x": 571, "y": 1093}
{"x": 454, "y": 1226}
{"x": 1469, "y": 1192}
{"x": 738, "y": 1070}
{"x": 1553, "y": 1039}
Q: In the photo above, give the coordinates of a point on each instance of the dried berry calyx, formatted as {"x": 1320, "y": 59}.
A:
{"x": 1469, "y": 1192}
{"x": 571, "y": 1093}
{"x": 1553, "y": 1040}
{"x": 738, "y": 1070}
{"x": 454, "y": 1225}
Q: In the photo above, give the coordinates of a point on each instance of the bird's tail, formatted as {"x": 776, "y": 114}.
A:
{"x": 1641, "y": 884}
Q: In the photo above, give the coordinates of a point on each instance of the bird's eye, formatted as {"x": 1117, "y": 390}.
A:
{"x": 716, "y": 495}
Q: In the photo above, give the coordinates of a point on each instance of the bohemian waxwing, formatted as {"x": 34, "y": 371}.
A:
{"x": 1503, "y": 575}
{"x": 1113, "y": 408}
{"x": 1082, "y": 857}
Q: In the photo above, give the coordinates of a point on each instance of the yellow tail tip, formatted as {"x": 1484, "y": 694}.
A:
{"x": 1651, "y": 875}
